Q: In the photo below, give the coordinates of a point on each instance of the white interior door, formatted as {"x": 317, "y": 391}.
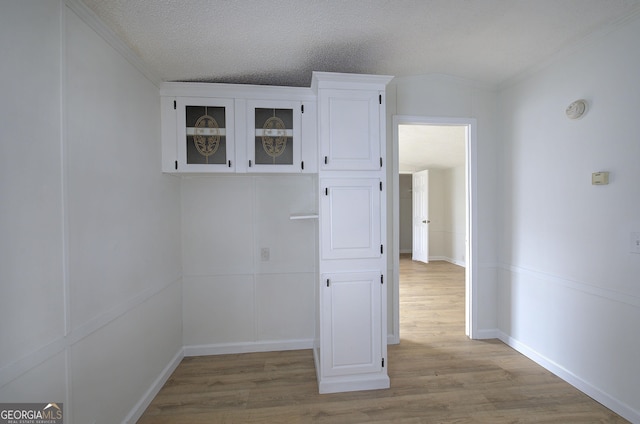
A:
{"x": 420, "y": 189}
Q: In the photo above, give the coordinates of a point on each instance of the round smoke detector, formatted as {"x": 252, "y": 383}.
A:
{"x": 576, "y": 109}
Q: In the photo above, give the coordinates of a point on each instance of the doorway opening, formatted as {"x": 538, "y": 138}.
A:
{"x": 460, "y": 240}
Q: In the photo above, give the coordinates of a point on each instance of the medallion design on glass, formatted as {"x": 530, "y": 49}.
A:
{"x": 206, "y": 135}
{"x": 274, "y": 129}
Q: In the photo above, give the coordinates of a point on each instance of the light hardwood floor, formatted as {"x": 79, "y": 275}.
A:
{"x": 437, "y": 376}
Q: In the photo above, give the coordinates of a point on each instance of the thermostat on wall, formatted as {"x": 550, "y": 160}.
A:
{"x": 600, "y": 178}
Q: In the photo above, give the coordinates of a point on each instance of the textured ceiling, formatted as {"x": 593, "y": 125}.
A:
{"x": 280, "y": 42}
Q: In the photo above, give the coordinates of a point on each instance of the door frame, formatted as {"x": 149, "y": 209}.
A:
{"x": 471, "y": 195}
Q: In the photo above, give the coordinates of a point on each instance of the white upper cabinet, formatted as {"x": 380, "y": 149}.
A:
{"x": 351, "y": 120}
{"x": 350, "y": 134}
{"x": 205, "y": 135}
{"x": 274, "y": 141}
{"x": 231, "y": 128}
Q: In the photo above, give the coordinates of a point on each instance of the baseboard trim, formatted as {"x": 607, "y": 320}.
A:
{"x": 605, "y": 399}
{"x": 134, "y": 415}
{"x": 440, "y": 258}
{"x": 353, "y": 383}
{"x": 485, "y": 334}
{"x": 247, "y": 347}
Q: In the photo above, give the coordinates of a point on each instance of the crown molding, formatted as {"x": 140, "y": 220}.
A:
{"x": 89, "y": 17}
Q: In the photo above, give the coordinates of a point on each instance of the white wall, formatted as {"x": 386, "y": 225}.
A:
{"x": 234, "y": 301}
{"x": 455, "y": 216}
{"x": 569, "y": 295}
{"x": 32, "y": 319}
{"x": 447, "y": 203}
{"x": 438, "y": 214}
{"x": 90, "y": 272}
{"x": 406, "y": 213}
{"x": 92, "y": 303}
{"x": 448, "y": 97}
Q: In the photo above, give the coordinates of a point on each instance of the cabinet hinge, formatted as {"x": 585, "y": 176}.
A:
{"x": 381, "y": 249}
{"x": 175, "y": 105}
{"x": 380, "y": 185}
{"x": 176, "y": 165}
{"x": 301, "y": 108}
{"x": 380, "y": 98}
{"x": 382, "y": 362}
{"x": 327, "y": 282}
{"x": 381, "y": 279}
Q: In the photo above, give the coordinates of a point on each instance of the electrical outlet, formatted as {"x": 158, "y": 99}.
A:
{"x": 265, "y": 254}
{"x": 635, "y": 243}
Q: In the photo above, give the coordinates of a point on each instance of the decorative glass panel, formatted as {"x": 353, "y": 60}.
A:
{"x": 206, "y": 135}
{"x": 274, "y": 136}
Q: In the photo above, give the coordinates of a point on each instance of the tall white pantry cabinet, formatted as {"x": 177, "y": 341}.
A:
{"x": 351, "y": 346}
{"x": 336, "y": 130}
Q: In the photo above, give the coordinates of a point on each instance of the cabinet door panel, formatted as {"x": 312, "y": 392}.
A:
{"x": 350, "y": 130}
{"x": 351, "y": 321}
{"x": 273, "y": 142}
{"x": 205, "y": 135}
{"x": 350, "y": 218}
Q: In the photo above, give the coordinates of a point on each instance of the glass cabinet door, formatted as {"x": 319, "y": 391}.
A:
{"x": 273, "y": 143}
{"x": 205, "y": 135}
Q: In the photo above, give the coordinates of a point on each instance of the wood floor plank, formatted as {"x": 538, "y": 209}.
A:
{"x": 437, "y": 375}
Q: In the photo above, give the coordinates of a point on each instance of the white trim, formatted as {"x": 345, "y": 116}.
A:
{"x": 353, "y": 383}
{"x": 89, "y": 17}
{"x": 447, "y": 259}
{"x": 15, "y": 369}
{"x": 615, "y": 405}
{"x": 393, "y": 339}
{"x": 64, "y": 190}
{"x": 485, "y": 334}
{"x": 247, "y": 347}
{"x": 146, "y": 399}
{"x": 96, "y": 323}
{"x": 338, "y": 80}
{"x": 471, "y": 296}
{"x": 236, "y": 91}
{"x": 605, "y": 293}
